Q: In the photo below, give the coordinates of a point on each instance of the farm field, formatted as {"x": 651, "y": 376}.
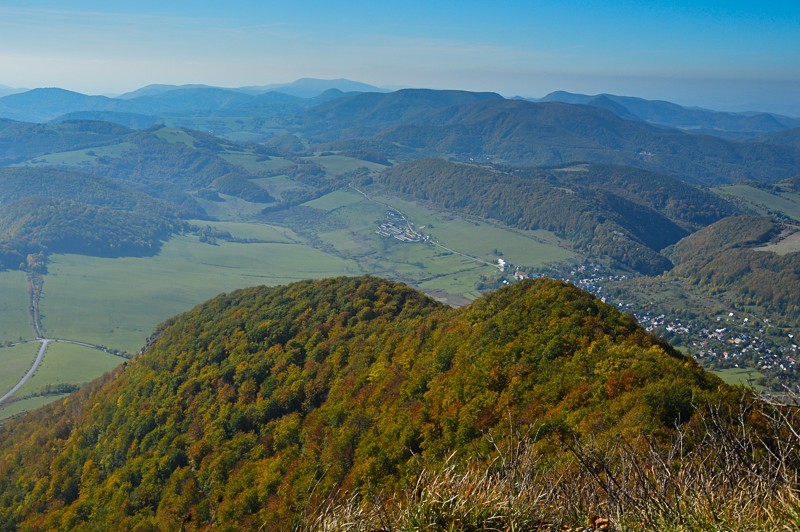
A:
{"x": 533, "y": 249}
{"x": 14, "y": 317}
{"x": 118, "y": 302}
{"x": 253, "y": 162}
{"x": 788, "y": 242}
{"x": 764, "y": 201}
{"x": 231, "y": 208}
{"x": 264, "y": 233}
{"x": 278, "y": 185}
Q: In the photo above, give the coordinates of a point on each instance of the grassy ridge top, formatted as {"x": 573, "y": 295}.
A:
{"x": 258, "y": 404}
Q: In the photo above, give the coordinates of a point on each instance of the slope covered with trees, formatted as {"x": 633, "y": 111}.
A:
{"x": 48, "y": 210}
{"x": 728, "y": 256}
{"x": 622, "y": 213}
{"x": 256, "y": 406}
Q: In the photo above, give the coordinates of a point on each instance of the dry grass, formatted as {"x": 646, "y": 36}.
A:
{"x": 733, "y": 471}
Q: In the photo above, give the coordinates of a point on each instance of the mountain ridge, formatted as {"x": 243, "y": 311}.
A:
{"x": 236, "y": 408}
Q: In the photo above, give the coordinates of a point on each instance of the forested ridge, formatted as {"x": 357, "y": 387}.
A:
{"x": 255, "y": 407}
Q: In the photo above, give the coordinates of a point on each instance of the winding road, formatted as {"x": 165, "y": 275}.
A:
{"x": 35, "y": 287}
{"x": 39, "y": 357}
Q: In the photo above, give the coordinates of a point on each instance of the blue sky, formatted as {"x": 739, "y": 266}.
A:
{"x": 726, "y": 55}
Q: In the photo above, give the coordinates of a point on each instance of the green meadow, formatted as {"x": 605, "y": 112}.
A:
{"x": 230, "y": 208}
{"x": 63, "y": 364}
{"x": 15, "y": 362}
{"x": 253, "y": 162}
{"x": 348, "y": 221}
{"x": 359, "y": 218}
{"x": 764, "y": 201}
{"x": 278, "y": 185}
{"x": 744, "y": 376}
{"x": 25, "y": 405}
{"x": 14, "y": 318}
{"x": 262, "y": 232}
{"x": 118, "y": 302}
{"x": 174, "y": 136}
{"x": 69, "y": 364}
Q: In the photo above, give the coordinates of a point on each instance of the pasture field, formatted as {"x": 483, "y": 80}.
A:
{"x": 745, "y": 376}
{"x": 175, "y": 135}
{"x": 118, "y": 302}
{"x": 278, "y": 185}
{"x": 25, "y": 405}
{"x": 69, "y": 364}
{"x": 83, "y": 157}
{"x": 14, "y": 318}
{"x": 789, "y": 243}
{"x": 480, "y": 239}
{"x": 229, "y": 127}
{"x": 14, "y": 363}
{"x": 263, "y": 232}
{"x": 230, "y": 208}
{"x": 764, "y": 201}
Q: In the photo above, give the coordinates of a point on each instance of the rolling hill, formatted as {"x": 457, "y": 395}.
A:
{"x": 250, "y": 410}
{"x": 41, "y": 105}
{"x": 51, "y": 211}
{"x": 20, "y": 141}
{"x": 361, "y": 115}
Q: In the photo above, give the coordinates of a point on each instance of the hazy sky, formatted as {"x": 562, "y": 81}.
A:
{"x": 721, "y": 54}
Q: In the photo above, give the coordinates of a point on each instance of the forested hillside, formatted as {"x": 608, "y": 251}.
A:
{"x": 734, "y": 255}
{"x": 50, "y": 211}
{"x": 622, "y": 213}
{"x": 256, "y": 406}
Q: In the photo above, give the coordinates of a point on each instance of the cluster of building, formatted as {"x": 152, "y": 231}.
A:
{"x": 395, "y": 225}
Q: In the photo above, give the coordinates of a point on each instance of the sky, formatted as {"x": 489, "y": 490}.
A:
{"x": 728, "y": 55}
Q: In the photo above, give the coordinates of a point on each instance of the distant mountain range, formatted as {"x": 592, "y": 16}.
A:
{"x": 311, "y": 87}
{"x": 465, "y": 126}
{"x": 673, "y": 115}
{"x": 44, "y": 104}
{"x": 489, "y": 128}
{"x": 5, "y": 90}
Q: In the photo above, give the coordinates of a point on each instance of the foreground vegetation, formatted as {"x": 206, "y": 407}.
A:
{"x": 720, "y": 475}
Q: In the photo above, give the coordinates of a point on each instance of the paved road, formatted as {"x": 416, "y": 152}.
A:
{"x": 34, "y": 367}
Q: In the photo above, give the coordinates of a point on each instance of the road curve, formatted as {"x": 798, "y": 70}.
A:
{"x": 34, "y": 367}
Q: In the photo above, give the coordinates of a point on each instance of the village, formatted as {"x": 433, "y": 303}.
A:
{"x": 729, "y": 340}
